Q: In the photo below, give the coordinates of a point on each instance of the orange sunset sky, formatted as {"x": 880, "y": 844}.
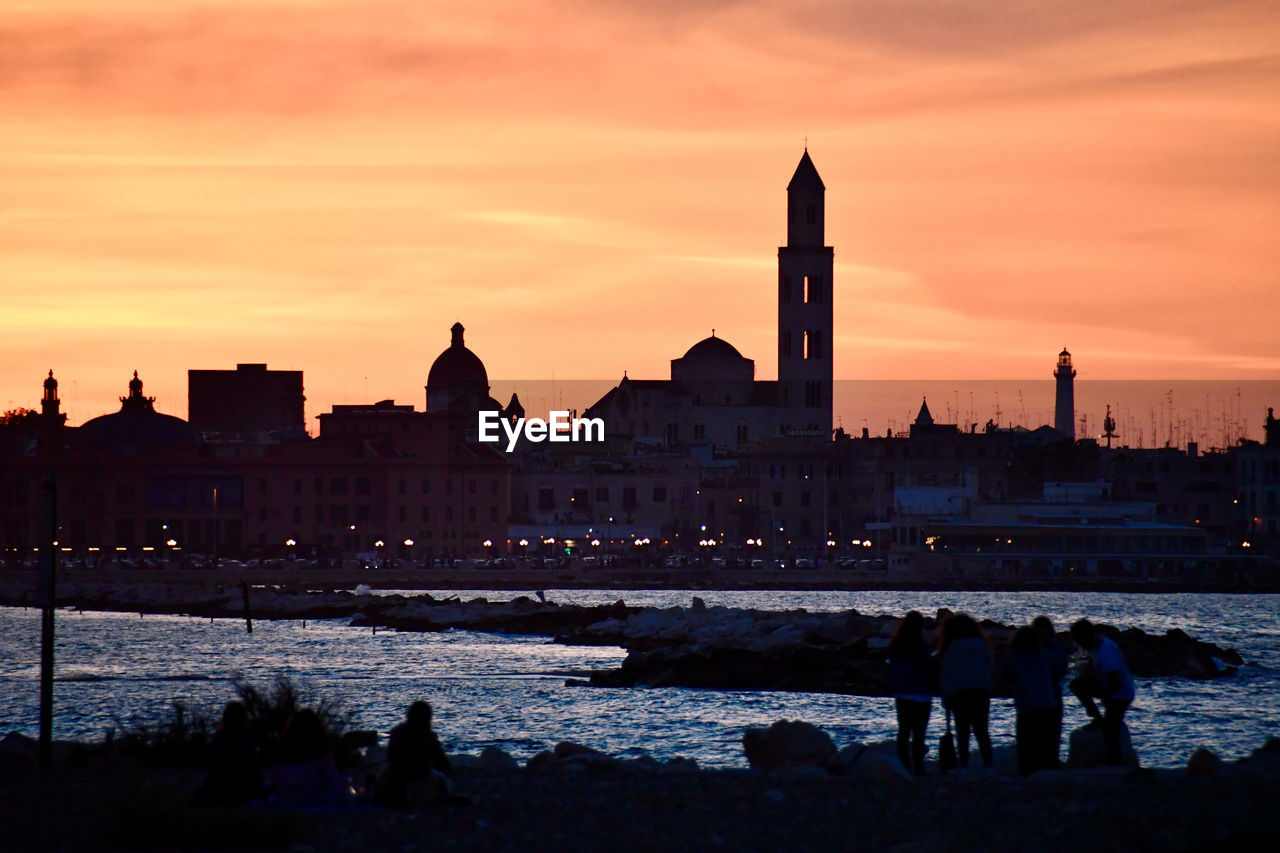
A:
{"x": 591, "y": 185}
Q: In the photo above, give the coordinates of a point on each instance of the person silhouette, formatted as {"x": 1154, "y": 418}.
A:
{"x": 304, "y": 773}
{"x": 1060, "y": 662}
{"x": 1105, "y": 676}
{"x": 912, "y": 683}
{"x": 965, "y": 682}
{"x": 1029, "y": 668}
{"x": 417, "y": 770}
{"x": 233, "y": 778}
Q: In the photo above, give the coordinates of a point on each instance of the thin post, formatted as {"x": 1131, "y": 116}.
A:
{"x": 248, "y": 614}
{"x": 47, "y": 538}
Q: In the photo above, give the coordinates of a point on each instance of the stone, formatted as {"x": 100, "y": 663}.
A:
{"x": 492, "y": 758}
{"x": 1087, "y": 749}
{"x": 1203, "y": 764}
{"x": 787, "y": 744}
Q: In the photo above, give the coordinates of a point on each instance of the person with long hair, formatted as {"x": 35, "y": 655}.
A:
{"x": 1029, "y": 668}
{"x": 1060, "y": 661}
{"x": 965, "y": 663}
{"x": 304, "y": 773}
{"x": 912, "y": 680}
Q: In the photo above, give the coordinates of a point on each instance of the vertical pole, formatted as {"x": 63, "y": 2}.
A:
{"x": 248, "y": 614}
{"x": 47, "y": 537}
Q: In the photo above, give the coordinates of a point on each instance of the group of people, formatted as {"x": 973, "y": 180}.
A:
{"x": 302, "y": 769}
{"x": 963, "y": 673}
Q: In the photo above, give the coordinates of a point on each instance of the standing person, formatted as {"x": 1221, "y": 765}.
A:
{"x": 965, "y": 664}
{"x": 417, "y": 768}
{"x": 1059, "y": 659}
{"x": 912, "y": 676}
{"x": 1029, "y": 668}
{"x": 1106, "y": 677}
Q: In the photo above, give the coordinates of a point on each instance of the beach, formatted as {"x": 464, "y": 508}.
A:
{"x": 619, "y": 808}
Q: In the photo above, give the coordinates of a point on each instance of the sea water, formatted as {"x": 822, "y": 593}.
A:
{"x": 119, "y": 669}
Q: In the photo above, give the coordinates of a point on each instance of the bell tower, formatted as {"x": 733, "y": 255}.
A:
{"x": 805, "y": 267}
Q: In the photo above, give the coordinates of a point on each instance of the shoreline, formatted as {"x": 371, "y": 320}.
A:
{"x": 624, "y": 805}
{"x": 619, "y": 579}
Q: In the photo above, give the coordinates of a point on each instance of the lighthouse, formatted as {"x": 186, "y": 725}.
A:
{"x": 1064, "y": 414}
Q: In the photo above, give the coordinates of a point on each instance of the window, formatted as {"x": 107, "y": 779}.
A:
{"x": 401, "y": 486}
{"x": 602, "y": 494}
{"x": 813, "y": 394}
{"x": 546, "y": 498}
{"x": 660, "y": 494}
{"x": 629, "y": 497}
{"x": 808, "y": 344}
{"x": 808, "y": 294}
{"x": 786, "y": 343}
{"x": 493, "y": 513}
{"x": 804, "y": 498}
{"x": 777, "y": 498}
{"x": 426, "y": 513}
{"x": 471, "y": 486}
{"x": 699, "y": 432}
{"x": 426, "y": 486}
{"x": 338, "y": 486}
{"x": 401, "y": 512}
{"x": 742, "y": 434}
{"x": 363, "y": 486}
{"x": 297, "y": 514}
{"x": 297, "y": 485}
{"x": 810, "y": 214}
{"x": 262, "y": 485}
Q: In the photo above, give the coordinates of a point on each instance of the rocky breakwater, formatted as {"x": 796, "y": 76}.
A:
{"x": 842, "y": 652}
{"x": 422, "y": 612}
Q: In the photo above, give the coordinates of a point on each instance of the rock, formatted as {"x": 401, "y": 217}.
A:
{"x": 463, "y": 759}
{"x": 567, "y": 749}
{"x": 787, "y": 744}
{"x": 877, "y": 762}
{"x": 1087, "y": 748}
{"x": 698, "y": 605}
{"x": 541, "y": 760}
{"x": 1203, "y": 764}
{"x": 492, "y": 758}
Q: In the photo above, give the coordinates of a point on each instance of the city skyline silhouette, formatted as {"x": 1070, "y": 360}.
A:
{"x": 1103, "y": 180}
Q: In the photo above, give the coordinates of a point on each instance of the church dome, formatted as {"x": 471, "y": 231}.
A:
{"x": 137, "y": 424}
{"x": 713, "y": 348}
{"x": 457, "y": 366}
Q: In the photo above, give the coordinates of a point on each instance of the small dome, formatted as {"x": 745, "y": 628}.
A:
{"x": 713, "y": 347}
{"x": 457, "y": 366}
{"x": 51, "y": 384}
{"x": 136, "y": 428}
{"x": 137, "y": 424}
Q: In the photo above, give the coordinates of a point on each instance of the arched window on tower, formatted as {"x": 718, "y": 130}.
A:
{"x": 808, "y": 344}
{"x": 811, "y": 214}
{"x": 786, "y": 344}
{"x": 808, "y": 292}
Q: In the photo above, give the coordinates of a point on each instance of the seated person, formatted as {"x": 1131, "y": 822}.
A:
{"x": 233, "y": 778}
{"x": 417, "y": 768}
{"x": 304, "y": 773}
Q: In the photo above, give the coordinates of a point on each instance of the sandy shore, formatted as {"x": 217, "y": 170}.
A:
{"x": 110, "y": 807}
